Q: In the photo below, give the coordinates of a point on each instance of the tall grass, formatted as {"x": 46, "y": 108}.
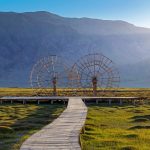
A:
{"x": 116, "y": 128}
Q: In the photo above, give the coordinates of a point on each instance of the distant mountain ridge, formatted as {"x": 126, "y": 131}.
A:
{"x": 27, "y": 37}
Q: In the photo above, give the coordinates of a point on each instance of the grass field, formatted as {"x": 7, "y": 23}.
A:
{"x": 116, "y": 128}
{"x": 18, "y": 122}
{"x": 106, "y": 128}
{"x": 16, "y": 92}
{"x": 141, "y": 92}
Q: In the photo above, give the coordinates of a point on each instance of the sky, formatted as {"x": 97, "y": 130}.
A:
{"x": 136, "y": 12}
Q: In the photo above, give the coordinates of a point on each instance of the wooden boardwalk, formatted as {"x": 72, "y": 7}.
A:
{"x": 62, "y": 133}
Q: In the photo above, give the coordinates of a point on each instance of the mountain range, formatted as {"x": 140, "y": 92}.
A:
{"x": 27, "y": 37}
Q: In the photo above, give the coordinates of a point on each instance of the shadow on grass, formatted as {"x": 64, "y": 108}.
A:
{"x": 143, "y": 118}
{"x": 129, "y": 148}
{"x": 113, "y": 105}
{"x": 140, "y": 127}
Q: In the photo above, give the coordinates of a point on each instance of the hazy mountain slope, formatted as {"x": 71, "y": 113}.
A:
{"x": 104, "y": 27}
{"x": 26, "y": 37}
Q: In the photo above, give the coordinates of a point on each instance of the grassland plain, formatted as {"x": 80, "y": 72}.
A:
{"x": 141, "y": 92}
{"x": 116, "y": 128}
{"x": 106, "y": 128}
{"x": 18, "y": 122}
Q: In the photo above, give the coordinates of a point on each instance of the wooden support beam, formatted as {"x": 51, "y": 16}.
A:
{"x": 97, "y": 101}
{"x": 133, "y": 102}
{"x": 38, "y": 102}
{"x": 121, "y": 102}
{"x": 109, "y": 101}
{"x": 52, "y": 101}
{"x": 24, "y": 101}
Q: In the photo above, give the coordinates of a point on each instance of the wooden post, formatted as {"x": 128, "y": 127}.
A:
{"x": 94, "y": 82}
{"x": 133, "y": 102}
{"x": 121, "y": 101}
{"x": 38, "y": 102}
{"x": 24, "y": 101}
{"x": 52, "y": 101}
{"x": 109, "y": 101}
{"x": 54, "y": 86}
{"x": 97, "y": 101}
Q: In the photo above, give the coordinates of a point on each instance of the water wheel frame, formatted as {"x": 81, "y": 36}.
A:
{"x": 48, "y": 75}
{"x": 97, "y": 74}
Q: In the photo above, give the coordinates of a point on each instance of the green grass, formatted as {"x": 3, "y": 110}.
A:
{"x": 116, "y": 128}
{"x": 18, "y": 122}
{"x": 106, "y": 128}
{"x": 16, "y": 92}
{"x": 141, "y": 92}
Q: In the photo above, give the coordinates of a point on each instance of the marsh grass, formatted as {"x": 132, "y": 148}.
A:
{"x": 106, "y": 128}
{"x": 18, "y": 122}
{"x": 116, "y": 128}
{"x": 137, "y": 92}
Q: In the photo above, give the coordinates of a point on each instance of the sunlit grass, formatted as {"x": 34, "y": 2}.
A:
{"x": 18, "y": 122}
{"x": 117, "y": 128}
{"x": 106, "y": 128}
{"x": 140, "y": 92}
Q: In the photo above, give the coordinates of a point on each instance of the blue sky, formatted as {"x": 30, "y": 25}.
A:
{"x": 133, "y": 11}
